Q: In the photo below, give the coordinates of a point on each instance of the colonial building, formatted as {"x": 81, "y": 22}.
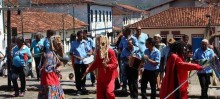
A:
{"x": 31, "y": 21}
{"x": 3, "y": 38}
{"x": 98, "y": 16}
{"x": 196, "y": 22}
{"x": 124, "y": 15}
{"x": 175, "y": 3}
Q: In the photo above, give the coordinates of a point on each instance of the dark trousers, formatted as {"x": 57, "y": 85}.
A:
{"x": 149, "y": 76}
{"x": 132, "y": 76}
{"x": 37, "y": 62}
{"x": 30, "y": 67}
{"x": 92, "y": 76}
{"x": 79, "y": 70}
{"x": 18, "y": 72}
{"x": 204, "y": 80}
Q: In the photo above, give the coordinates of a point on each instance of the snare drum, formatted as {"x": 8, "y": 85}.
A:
{"x": 134, "y": 62}
{"x": 88, "y": 60}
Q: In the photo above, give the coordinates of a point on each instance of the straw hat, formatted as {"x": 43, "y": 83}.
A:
{"x": 171, "y": 41}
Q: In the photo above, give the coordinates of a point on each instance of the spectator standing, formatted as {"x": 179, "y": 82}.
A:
{"x": 189, "y": 52}
{"x": 20, "y": 56}
{"x": 204, "y": 54}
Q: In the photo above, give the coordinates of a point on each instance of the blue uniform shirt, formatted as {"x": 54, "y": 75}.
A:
{"x": 155, "y": 56}
{"x": 126, "y": 53}
{"x": 18, "y": 56}
{"x": 141, "y": 42}
{"x": 124, "y": 42}
{"x": 165, "y": 52}
{"x": 46, "y": 45}
{"x": 90, "y": 43}
{"x": 37, "y": 47}
{"x": 199, "y": 54}
{"x": 79, "y": 48}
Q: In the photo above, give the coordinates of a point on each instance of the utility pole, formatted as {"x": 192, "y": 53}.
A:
{"x": 8, "y": 52}
{"x": 63, "y": 16}
{"x": 74, "y": 31}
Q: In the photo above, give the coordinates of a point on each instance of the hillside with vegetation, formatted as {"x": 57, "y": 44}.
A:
{"x": 141, "y": 4}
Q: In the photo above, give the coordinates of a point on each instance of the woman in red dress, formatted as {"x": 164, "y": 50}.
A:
{"x": 50, "y": 85}
{"x": 176, "y": 73}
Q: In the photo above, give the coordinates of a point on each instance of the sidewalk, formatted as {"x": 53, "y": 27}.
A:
{"x": 70, "y": 90}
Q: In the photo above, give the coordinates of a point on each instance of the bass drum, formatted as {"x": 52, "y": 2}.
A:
{"x": 88, "y": 60}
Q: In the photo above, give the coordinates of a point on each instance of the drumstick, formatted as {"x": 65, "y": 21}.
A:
{"x": 77, "y": 57}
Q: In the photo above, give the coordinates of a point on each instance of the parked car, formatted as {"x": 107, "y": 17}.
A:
{"x": 3, "y": 66}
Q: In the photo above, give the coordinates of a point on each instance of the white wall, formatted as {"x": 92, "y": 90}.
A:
{"x": 187, "y": 31}
{"x": 118, "y": 20}
{"x": 80, "y": 11}
{"x": 3, "y": 40}
{"x": 103, "y": 26}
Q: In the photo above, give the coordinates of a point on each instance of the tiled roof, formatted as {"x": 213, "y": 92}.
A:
{"x": 37, "y": 21}
{"x": 116, "y": 28}
{"x": 129, "y": 7}
{"x": 161, "y": 4}
{"x": 11, "y": 2}
{"x": 60, "y": 1}
{"x": 181, "y": 17}
{"x": 116, "y": 11}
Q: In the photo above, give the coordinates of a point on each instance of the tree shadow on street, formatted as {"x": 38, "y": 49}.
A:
{"x": 5, "y": 88}
{"x": 6, "y": 96}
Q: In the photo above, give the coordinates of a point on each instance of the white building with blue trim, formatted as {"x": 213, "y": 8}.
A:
{"x": 98, "y": 16}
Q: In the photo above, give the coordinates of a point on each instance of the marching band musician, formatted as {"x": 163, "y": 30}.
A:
{"x": 106, "y": 63}
{"x": 204, "y": 53}
{"x": 80, "y": 50}
{"x": 151, "y": 67}
{"x": 122, "y": 45}
{"x": 131, "y": 72}
{"x": 50, "y": 87}
{"x": 36, "y": 45}
{"x": 91, "y": 45}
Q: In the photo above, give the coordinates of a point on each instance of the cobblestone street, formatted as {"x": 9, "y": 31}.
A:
{"x": 70, "y": 90}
